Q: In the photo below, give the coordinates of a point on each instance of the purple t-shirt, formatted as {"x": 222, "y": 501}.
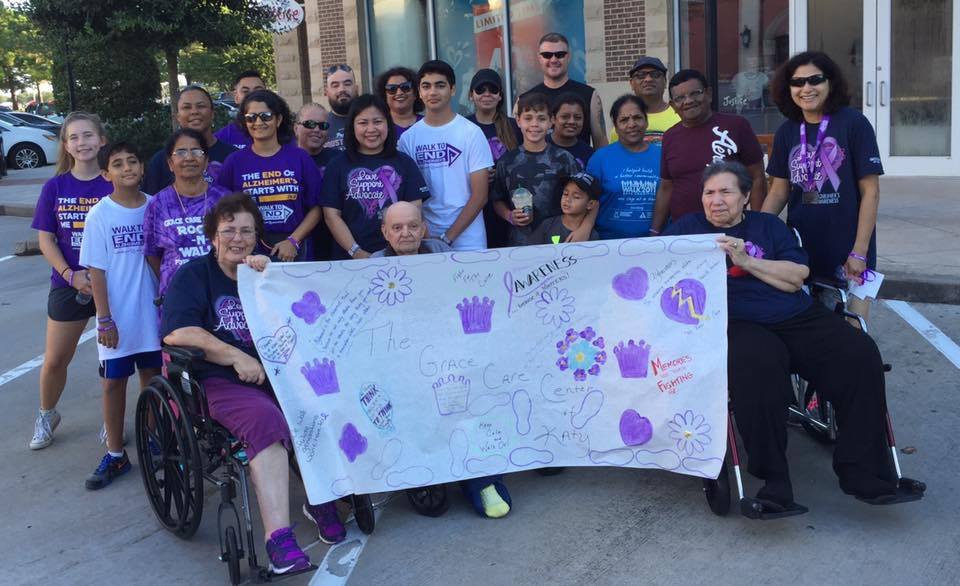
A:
{"x": 173, "y": 229}
{"x": 231, "y": 134}
{"x": 285, "y": 185}
{"x": 399, "y": 130}
{"x": 62, "y": 210}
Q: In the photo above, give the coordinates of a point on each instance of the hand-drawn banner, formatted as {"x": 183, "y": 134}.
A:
{"x": 407, "y": 371}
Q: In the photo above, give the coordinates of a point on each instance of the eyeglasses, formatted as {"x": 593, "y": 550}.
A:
{"x": 231, "y": 233}
{"x": 487, "y": 89}
{"x": 693, "y": 96}
{"x": 263, "y": 116}
{"x": 811, "y": 79}
{"x": 651, "y": 73}
{"x": 194, "y": 152}
{"x": 339, "y": 67}
{"x": 392, "y": 88}
{"x": 548, "y": 55}
{"x": 638, "y": 118}
{"x": 312, "y": 124}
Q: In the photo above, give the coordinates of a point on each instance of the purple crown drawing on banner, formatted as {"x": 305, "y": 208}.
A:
{"x": 476, "y": 316}
{"x": 632, "y": 358}
{"x": 322, "y": 376}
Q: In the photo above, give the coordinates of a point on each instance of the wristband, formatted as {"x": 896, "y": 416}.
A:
{"x": 447, "y": 241}
{"x": 294, "y": 242}
{"x": 353, "y": 249}
{"x": 105, "y": 320}
{"x": 857, "y": 256}
{"x": 654, "y": 232}
{"x": 106, "y": 328}
{"x": 72, "y": 273}
{"x": 65, "y": 269}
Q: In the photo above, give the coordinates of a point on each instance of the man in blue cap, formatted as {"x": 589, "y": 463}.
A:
{"x": 648, "y": 79}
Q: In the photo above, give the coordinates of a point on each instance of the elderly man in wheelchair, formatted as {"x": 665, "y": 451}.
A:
{"x": 203, "y": 321}
{"x": 775, "y": 329}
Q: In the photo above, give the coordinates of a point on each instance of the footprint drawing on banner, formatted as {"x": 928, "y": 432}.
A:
{"x": 322, "y": 376}
{"x": 521, "y": 410}
{"x": 389, "y": 456}
{"x": 476, "y": 315}
{"x": 635, "y": 430}
{"x": 663, "y": 459}
{"x": 459, "y": 446}
{"x": 493, "y": 464}
{"x": 410, "y": 477}
{"x": 279, "y": 347}
{"x": 589, "y": 408}
{"x": 685, "y": 302}
{"x": 483, "y": 404}
{"x": 352, "y": 442}
{"x": 701, "y": 466}
{"x": 632, "y": 284}
{"x": 309, "y": 308}
{"x": 342, "y": 486}
{"x": 614, "y": 457}
{"x": 526, "y": 456}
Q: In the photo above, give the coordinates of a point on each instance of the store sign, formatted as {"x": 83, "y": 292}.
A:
{"x": 285, "y": 15}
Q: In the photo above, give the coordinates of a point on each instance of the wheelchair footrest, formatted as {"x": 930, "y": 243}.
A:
{"x": 754, "y": 508}
{"x": 908, "y": 491}
{"x": 266, "y": 575}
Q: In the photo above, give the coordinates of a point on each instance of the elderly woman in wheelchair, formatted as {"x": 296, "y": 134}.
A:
{"x": 775, "y": 328}
{"x": 202, "y": 310}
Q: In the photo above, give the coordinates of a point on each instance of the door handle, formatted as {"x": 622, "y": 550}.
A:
{"x": 883, "y": 86}
{"x": 867, "y": 93}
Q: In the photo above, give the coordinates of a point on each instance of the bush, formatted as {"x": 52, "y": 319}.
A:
{"x": 147, "y": 132}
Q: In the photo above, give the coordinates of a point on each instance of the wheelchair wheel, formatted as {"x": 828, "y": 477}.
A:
{"x": 430, "y": 501}
{"x": 169, "y": 459}
{"x": 232, "y": 555}
{"x": 717, "y": 491}
{"x": 363, "y": 512}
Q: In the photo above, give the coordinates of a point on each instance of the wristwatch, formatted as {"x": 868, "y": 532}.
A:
{"x": 447, "y": 241}
{"x": 353, "y": 250}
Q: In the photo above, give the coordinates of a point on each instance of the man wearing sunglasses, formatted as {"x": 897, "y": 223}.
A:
{"x": 554, "y": 59}
{"x": 648, "y": 80}
{"x": 341, "y": 88}
{"x": 702, "y": 137}
{"x": 246, "y": 82}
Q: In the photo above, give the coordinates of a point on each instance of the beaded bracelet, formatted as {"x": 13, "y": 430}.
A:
{"x": 857, "y": 256}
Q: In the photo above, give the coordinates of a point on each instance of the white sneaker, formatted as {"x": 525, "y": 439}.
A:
{"x": 43, "y": 429}
{"x": 103, "y": 435}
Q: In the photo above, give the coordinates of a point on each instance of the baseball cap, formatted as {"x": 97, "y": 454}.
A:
{"x": 588, "y": 183}
{"x": 647, "y": 62}
{"x": 485, "y": 76}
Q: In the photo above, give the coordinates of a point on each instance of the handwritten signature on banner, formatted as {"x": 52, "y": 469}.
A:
{"x": 408, "y": 371}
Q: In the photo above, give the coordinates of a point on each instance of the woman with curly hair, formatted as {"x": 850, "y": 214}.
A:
{"x": 397, "y": 87}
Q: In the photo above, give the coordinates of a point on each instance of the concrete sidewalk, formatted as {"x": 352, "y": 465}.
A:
{"x": 918, "y": 232}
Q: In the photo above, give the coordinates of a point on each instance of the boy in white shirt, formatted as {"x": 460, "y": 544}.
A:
{"x": 453, "y": 156}
{"x": 124, "y": 288}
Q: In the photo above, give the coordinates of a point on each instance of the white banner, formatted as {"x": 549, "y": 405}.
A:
{"x": 407, "y": 371}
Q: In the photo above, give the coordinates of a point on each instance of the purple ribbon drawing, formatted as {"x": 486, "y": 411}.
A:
{"x": 391, "y": 183}
{"x": 831, "y": 157}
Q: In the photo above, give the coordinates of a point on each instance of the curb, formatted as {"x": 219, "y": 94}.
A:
{"x": 26, "y": 248}
{"x": 921, "y": 288}
{"x": 17, "y": 210}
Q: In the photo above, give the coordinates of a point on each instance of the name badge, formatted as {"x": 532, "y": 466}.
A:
{"x": 811, "y": 196}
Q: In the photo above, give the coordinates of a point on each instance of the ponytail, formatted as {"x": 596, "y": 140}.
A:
{"x": 65, "y": 160}
{"x": 504, "y": 129}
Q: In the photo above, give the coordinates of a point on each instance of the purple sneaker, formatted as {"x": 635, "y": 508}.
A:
{"x": 284, "y": 553}
{"x": 328, "y": 522}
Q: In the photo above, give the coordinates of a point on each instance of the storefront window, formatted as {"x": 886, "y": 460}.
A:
{"x": 530, "y": 20}
{"x": 469, "y": 37}
{"x": 398, "y": 34}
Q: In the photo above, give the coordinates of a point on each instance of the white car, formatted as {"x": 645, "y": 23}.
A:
{"x": 25, "y": 147}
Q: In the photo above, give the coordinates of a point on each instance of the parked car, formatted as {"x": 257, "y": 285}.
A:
{"x": 3, "y": 160}
{"x": 225, "y": 98}
{"x": 41, "y": 109}
{"x": 26, "y": 147}
{"x": 36, "y": 121}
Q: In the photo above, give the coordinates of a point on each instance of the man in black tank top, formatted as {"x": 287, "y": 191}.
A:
{"x": 554, "y": 59}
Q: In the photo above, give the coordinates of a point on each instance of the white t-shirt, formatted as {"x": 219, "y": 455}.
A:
{"x": 447, "y": 155}
{"x": 113, "y": 243}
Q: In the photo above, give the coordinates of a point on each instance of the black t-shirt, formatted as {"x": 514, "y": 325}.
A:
{"x": 497, "y": 148}
{"x": 324, "y": 158}
{"x": 581, "y": 89}
{"x": 749, "y": 298}
{"x": 158, "y": 173}
{"x": 201, "y": 295}
{"x": 552, "y": 231}
{"x": 363, "y": 187}
{"x": 581, "y": 151}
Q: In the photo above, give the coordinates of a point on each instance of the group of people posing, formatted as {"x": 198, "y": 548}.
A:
{"x": 398, "y": 172}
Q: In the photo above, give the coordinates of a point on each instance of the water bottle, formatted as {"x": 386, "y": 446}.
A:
{"x": 83, "y": 298}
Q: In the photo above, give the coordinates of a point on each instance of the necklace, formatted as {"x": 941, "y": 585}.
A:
{"x": 183, "y": 207}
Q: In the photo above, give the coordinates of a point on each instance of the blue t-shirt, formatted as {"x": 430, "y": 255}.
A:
{"x": 363, "y": 187}
{"x": 749, "y": 298}
{"x": 828, "y": 226}
{"x": 630, "y": 181}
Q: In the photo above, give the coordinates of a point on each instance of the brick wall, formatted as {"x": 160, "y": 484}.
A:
{"x": 624, "y": 23}
{"x": 333, "y": 48}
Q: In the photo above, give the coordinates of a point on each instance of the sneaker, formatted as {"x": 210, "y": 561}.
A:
{"x": 43, "y": 429}
{"x": 284, "y": 553}
{"x": 108, "y": 469}
{"x": 328, "y": 522}
{"x": 103, "y": 435}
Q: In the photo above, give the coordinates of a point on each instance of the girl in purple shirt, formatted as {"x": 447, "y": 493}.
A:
{"x": 280, "y": 176}
{"x": 173, "y": 223}
{"x": 59, "y": 219}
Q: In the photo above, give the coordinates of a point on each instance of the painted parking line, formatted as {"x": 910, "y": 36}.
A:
{"x": 8, "y": 257}
{"x": 17, "y": 372}
{"x": 925, "y": 328}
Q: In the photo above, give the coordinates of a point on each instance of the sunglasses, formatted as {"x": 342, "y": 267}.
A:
{"x": 312, "y": 124}
{"x": 548, "y": 55}
{"x": 392, "y": 88}
{"x": 263, "y": 116}
{"x": 339, "y": 67}
{"x": 487, "y": 89}
{"x": 651, "y": 73}
{"x": 811, "y": 79}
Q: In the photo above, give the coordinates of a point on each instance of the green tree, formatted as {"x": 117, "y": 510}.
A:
{"x": 23, "y": 61}
{"x": 216, "y": 68}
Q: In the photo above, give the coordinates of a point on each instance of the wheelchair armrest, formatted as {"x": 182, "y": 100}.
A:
{"x": 183, "y": 354}
{"x": 829, "y": 284}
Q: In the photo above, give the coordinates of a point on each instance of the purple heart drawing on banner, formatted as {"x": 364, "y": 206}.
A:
{"x": 278, "y": 347}
{"x": 684, "y": 302}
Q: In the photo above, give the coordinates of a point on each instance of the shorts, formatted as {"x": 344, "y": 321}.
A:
{"x": 62, "y": 305}
{"x": 123, "y": 367}
{"x": 250, "y": 414}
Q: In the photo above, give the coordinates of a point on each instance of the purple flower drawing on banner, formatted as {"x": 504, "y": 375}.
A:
{"x": 555, "y": 307}
{"x": 309, "y": 308}
{"x": 582, "y": 353}
{"x": 690, "y": 432}
{"x": 391, "y": 285}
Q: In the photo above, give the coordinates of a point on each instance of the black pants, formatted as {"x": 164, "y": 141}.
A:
{"x": 841, "y": 362}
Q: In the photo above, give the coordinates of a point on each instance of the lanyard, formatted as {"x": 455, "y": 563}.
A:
{"x": 809, "y": 163}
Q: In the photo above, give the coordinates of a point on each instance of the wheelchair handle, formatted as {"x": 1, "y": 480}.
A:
{"x": 183, "y": 354}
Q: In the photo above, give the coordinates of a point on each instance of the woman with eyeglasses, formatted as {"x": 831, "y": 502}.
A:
{"x": 372, "y": 175}
{"x": 826, "y": 168}
{"x": 278, "y": 175}
{"x": 173, "y": 222}
{"x": 503, "y": 135}
{"x": 395, "y": 87}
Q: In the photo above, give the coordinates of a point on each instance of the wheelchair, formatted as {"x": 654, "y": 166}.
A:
{"x": 815, "y": 417}
{"x": 180, "y": 446}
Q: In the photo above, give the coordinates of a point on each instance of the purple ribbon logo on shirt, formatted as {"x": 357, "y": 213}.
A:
{"x": 827, "y": 161}
{"x": 373, "y": 189}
